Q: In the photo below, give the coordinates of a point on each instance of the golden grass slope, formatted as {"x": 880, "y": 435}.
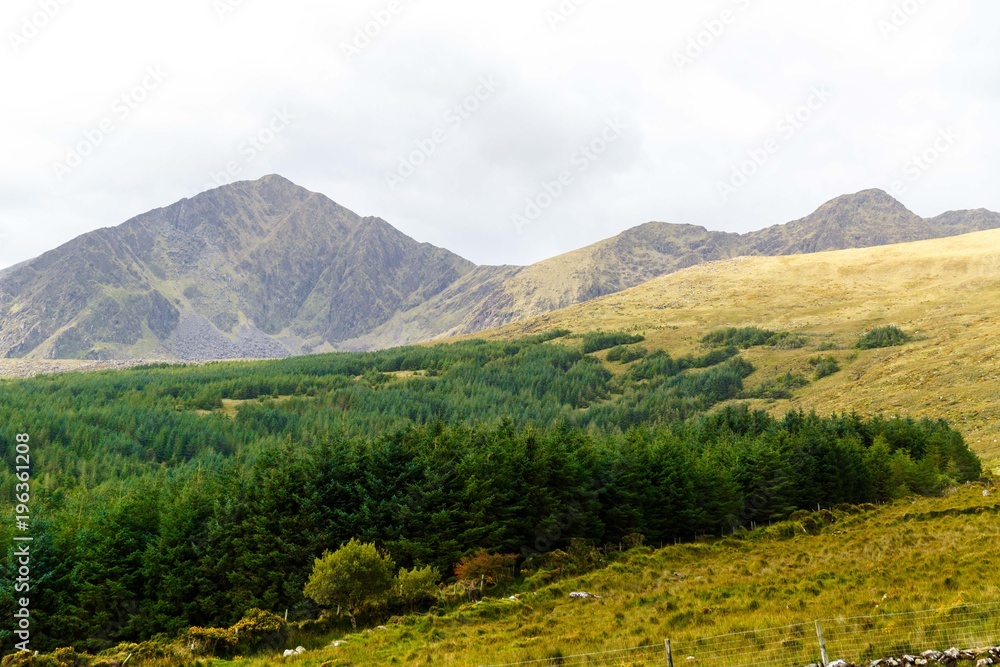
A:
{"x": 945, "y": 292}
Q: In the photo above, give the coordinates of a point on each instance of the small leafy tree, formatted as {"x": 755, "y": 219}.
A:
{"x": 417, "y": 585}
{"x": 354, "y": 577}
{"x": 485, "y": 567}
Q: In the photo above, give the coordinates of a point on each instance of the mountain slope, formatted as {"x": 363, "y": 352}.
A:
{"x": 866, "y": 219}
{"x": 945, "y": 293}
{"x": 863, "y": 220}
{"x": 266, "y": 268}
{"x": 253, "y": 269}
{"x": 494, "y": 296}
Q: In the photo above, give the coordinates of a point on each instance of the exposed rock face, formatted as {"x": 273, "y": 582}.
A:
{"x": 267, "y": 269}
{"x": 254, "y": 269}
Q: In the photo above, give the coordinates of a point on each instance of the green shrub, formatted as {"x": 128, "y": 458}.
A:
{"x": 581, "y": 557}
{"x": 825, "y": 366}
{"x": 879, "y": 337}
{"x": 747, "y": 337}
{"x": 417, "y": 586}
{"x": 616, "y": 353}
{"x": 659, "y": 364}
{"x": 788, "y": 341}
{"x": 627, "y": 355}
{"x": 713, "y": 358}
{"x": 547, "y": 336}
{"x": 778, "y": 388}
{"x": 601, "y": 340}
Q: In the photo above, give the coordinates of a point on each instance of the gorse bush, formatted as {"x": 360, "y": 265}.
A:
{"x": 879, "y": 337}
{"x": 259, "y": 630}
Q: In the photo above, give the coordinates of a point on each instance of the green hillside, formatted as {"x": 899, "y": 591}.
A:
{"x": 169, "y": 497}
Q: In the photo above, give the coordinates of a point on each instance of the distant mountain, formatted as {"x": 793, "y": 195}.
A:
{"x": 253, "y": 269}
{"x": 867, "y": 219}
{"x": 266, "y": 268}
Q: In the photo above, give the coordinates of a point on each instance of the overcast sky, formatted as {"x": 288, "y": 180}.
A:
{"x": 575, "y": 120}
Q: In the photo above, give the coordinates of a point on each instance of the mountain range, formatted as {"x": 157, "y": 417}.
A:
{"x": 266, "y": 268}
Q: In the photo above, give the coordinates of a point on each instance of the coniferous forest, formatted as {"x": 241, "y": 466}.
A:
{"x": 174, "y": 496}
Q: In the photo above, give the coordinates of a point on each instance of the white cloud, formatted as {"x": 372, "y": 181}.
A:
{"x": 353, "y": 119}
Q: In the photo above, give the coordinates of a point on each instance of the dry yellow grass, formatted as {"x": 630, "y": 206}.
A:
{"x": 946, "y": 292}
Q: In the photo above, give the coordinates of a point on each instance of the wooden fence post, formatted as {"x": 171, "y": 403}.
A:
{"x": 824, "y": 658}
{"x": 670, "y": 654}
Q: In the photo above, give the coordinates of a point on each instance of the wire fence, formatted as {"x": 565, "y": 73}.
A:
{"x": 858, "y": 640}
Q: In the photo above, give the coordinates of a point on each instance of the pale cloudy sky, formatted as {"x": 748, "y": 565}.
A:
{"x": 641, "y": 108}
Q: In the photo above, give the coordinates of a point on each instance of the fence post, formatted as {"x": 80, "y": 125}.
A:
{"x": 824, "y": 658}
{"x": 670, "y": 654}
